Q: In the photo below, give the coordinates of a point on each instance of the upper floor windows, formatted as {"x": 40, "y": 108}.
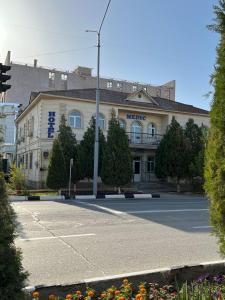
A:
{"x": 119, "y": 85}
{"x": 109, "y": 84}
{"x": 101, "y": 121}
{"x": 64, "y": 78}
{"x": 122, "y": 123}
{"x": 152, "y": 129}
{"x": 51, "y": 79}
{"x": 75, "y": 119}
{"x": 134, "y": 88}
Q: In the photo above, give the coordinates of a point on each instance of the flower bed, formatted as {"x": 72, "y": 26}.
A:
{"x": 205, "y": 287}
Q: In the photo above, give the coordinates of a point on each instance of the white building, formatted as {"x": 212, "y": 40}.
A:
{"x": 8, "y": 113}
{"x": 33, "y": 78}
{"x": 144, "y": 118}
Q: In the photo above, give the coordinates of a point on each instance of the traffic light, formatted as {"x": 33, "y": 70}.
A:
{"x": 4, "y": 77}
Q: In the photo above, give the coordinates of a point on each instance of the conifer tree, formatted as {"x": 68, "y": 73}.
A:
{"x": 117, "y": 160}
{"x": 68, "y": 145}
{"x": 12, "y": 275}
{"x": 57, "y": 177}
{"x": 171, "y": 154}
{"x": 215, "y": 153}
{"x": 86, "y": 151}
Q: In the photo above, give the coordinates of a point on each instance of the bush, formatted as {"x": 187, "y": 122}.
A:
{"x": 17, "y": 180}
{"x": 12, "y": 276}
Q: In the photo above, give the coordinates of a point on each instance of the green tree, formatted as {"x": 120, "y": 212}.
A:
{"x": 215, "y": 152}
{"x": 171, "y": 154}
{"x": 57, "y": 177}
{"x": 117, "y": 160}
{"x": 68, "y": 145}
{"x": 86, "y": 151}
{"x": 18, "y": 180}
{"x": 12, "y": 275}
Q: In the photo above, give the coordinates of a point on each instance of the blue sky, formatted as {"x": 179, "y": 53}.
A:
{"x": 150, "y": 41}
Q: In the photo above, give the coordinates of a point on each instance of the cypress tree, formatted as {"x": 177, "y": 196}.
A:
{"x": 86, "y": 151}
{"x": 12, "y": 275}
{"x": 57, "y": 177}
{"x": 215, "y": 152}
{"x": 171, "y": 154}
{"x": 68, "y": 146}
{"x": 117, "y": 160}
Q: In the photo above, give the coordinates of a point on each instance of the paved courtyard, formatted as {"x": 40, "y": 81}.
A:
{"x": 67, "y": 241}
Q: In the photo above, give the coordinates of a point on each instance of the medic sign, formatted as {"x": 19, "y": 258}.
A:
{"x": 136, "y": 117}
{"x": 51, "y": 124}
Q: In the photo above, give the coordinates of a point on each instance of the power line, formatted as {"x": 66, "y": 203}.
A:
{"x": 57, "y": 52}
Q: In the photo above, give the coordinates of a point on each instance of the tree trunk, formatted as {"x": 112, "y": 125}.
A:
{"x": 178, "y": 185}
{"x": 119, "y": 190}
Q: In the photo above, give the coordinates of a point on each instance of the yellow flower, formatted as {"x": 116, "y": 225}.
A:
{"x": 110, "y": 290}
{"x": 35, "y": 295}
{"x": 90, "y": 293}
{"x": 125, "y": 281}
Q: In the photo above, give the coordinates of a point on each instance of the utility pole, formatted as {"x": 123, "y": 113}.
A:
{"x": 96, "y": 148}
{"x": 71, "y": 164}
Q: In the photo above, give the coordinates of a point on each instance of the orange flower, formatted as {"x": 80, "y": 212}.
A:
{"x": 117, "y": 292}
{"x": 141, "y": 286}
{"x": 35, "y": 295}
{"x": 110, "y": 290}
{"x": 143, "y": 290}
{"x": 51, "y": 297}
{"x": 138, "y": 296}
{"x": 90, "y": 293}
{"x": 125, "y": 281}
{"x": 103, "y": 295}
{"x": 121, "y": 298}
{"x": 69, "y": 296}
{"x": 78, "y": 293}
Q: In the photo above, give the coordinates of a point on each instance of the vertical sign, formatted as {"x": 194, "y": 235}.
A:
{"x": 51, "y": 124}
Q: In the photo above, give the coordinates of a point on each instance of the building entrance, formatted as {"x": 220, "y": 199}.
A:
{"x": 137, "y": 169}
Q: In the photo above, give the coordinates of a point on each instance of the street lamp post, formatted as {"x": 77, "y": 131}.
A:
{"x": 96, "y": 148}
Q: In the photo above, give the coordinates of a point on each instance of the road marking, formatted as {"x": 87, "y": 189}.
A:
{"x": 57, "y": 237}
{"x": 117, "y": 212}
{"x": 199, "y": 227}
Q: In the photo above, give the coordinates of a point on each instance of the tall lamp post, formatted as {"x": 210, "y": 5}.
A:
{"x": 96, "y": 149}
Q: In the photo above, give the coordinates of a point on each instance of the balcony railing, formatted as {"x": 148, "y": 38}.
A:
{"x": 144, "y": 138}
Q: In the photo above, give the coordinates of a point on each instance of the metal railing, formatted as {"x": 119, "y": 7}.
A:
{"x": 144, "y": 138}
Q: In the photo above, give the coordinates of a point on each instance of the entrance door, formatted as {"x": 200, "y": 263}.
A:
{"x": 137, "y": 169}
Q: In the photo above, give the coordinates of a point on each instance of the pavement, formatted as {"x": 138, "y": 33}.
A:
{"x": 68, "y": 241}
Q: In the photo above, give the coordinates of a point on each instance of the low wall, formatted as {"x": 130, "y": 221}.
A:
{"x": 161, "y": 276}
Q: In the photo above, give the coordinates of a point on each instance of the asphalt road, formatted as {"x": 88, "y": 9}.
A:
{"x": 65, "y": 242}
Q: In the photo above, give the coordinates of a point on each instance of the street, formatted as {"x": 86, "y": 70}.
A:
{"x": 67, "y": 241}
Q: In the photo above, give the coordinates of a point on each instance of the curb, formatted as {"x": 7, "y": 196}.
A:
{"x": 84, "y": 197}
{"x": 162, "y": 276}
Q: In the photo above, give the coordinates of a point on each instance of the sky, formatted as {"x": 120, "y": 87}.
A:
{"x": 147, "y": 41}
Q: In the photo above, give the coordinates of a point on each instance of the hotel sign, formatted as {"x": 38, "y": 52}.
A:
{"x": 51, "y": 124}
{"x": 136, "y": 117}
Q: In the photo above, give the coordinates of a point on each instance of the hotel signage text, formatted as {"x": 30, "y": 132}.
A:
{"x": 136, "y": 117}
{"x": 51, "y": 124}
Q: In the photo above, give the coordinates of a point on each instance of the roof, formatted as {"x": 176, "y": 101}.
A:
{"x": 121, "y": 98}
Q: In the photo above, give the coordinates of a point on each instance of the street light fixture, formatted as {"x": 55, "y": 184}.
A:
{"x": 96, "y": 149}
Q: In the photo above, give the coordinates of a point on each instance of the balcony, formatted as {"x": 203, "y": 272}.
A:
{"x": 144, "y": 140}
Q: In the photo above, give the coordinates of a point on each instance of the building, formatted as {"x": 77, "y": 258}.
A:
{"x": 8, "y": 113}
{"x": 27, "y": 78}
{"x": 144, "y": 118}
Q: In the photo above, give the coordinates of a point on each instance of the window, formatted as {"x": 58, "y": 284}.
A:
{"x": 31, "y": 160}
{"x": 51, "y": 79}
{"x": 158, "y": 93}
{"x": 151, "y": 165}
{"x": 152, "y": 129}
{"x": 122, "y": 123}
{"x": 136, "y": 132}
{"x": 134, "y": 88}
{"x": 101, "y": 121}
{"x": 64, "y": 81}
{"x": 119, "y": 85}
{"x": 26, "y": 161}
{"x": 109, "y": 84}
{"x": 75, "y": 119}
{"x": 145, "y": 88}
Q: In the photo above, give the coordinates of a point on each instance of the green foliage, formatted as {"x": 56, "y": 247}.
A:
{"x": 68, "y": 145}
{"x": 57, "y": 177}
{"x": 86, "y": 151}
{"x": 172, "y": 152}
{"x": 12, "y": 275}
{"x": 117, "y": 160}
{"x": 215, "y": 152}
{"x": 18, "y": 180}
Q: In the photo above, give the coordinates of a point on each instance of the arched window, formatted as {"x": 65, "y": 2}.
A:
{"x": 122, "y": 123}
{"x": 136, "y": 132}
{"x": 75, "y": 119}
{"x": 101, "y": 121}
{"x": 152, "y": 129}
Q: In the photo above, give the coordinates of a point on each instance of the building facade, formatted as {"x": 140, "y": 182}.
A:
{"x": 144, "y": 118}
{"x": 27, "y": 78}
{"x": 8, "y": 113}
